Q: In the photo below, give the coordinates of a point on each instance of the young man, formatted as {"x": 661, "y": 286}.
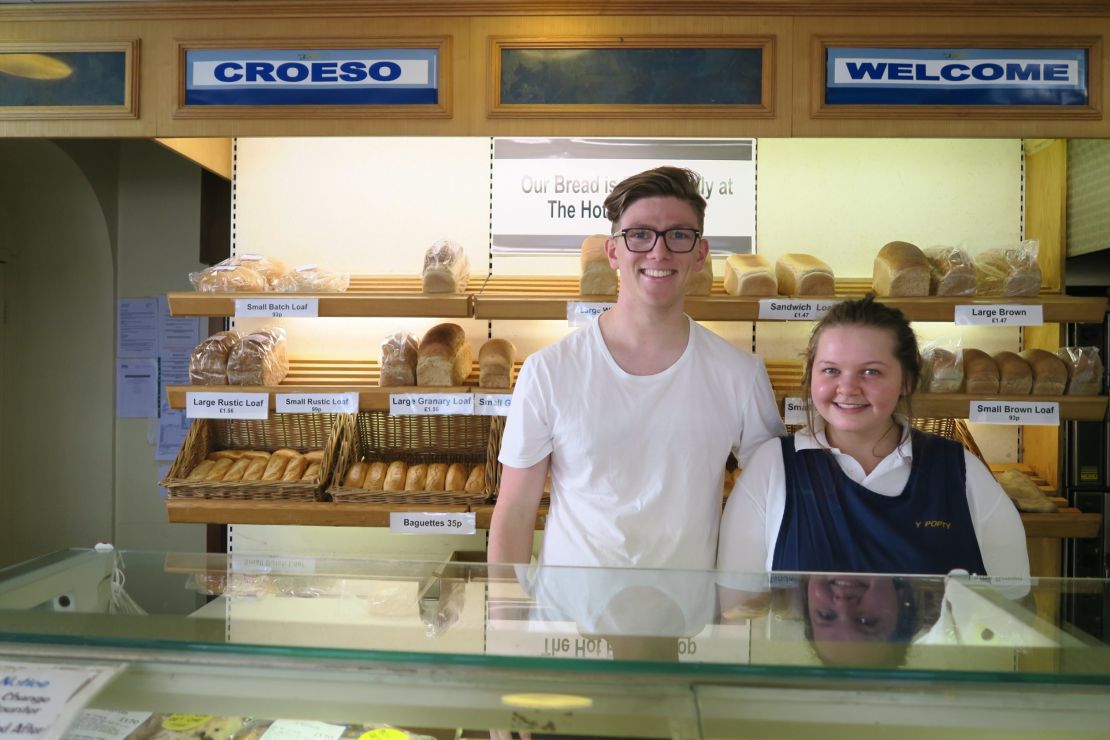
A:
{"x": 636, "y": 413}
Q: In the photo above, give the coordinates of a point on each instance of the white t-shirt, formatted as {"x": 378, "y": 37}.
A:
{"x": 753, "y": 514}
{"x": 637, "y": 461}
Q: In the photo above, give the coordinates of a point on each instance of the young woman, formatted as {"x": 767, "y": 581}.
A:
{"x": 859, "y": 490}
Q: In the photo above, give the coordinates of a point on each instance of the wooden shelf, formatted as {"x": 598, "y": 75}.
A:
{"x": 331, "y": 376}
{"x": 957, "y": 405}
{"x": 539, "y": 297}
{"x": 368, "y": 295}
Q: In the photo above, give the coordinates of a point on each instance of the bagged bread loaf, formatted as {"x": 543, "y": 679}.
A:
{"x": 208, "y": 361}
{"x": 951, "y": 271}
{"x": 980, "y": 372}
{"x": 495, "y": 363}
{"x": 750, "y": 275}
{"x": 596, "y": 276}
{"x": 1084, "y": 370}
{"x": 803, "y": 274}
{"x": 701, "y": 282}
{"x": 444, "y": 356}
{"x": 1050, "y": 374}
{"x": 942, "y": 370}
{"x": 1014, "y": 374}
{"x": 269, "y": 268}
{"x": 260, "y": 358}
{"x": 398, "y": 360}
{"x": 1008, "y": 272}
{"x": 1024, "y": 492}
{"x": 900, "y": 270}
{"x": 228, "y": 278}
{"x": 446, "y": 268}
{"x": 311, "y": 278}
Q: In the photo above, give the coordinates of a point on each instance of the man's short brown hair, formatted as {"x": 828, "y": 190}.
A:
{"x": 674, "y": 182}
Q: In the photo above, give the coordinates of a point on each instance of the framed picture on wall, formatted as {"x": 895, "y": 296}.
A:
{"x": 69, "y": 80}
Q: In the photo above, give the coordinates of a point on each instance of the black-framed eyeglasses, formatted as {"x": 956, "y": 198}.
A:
{"x": 640, "y": 239}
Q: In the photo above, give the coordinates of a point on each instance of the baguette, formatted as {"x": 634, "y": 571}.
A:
{"x": 437, "y": 477}
{"x": 597, "y": 277}
{"x": 395, "y": 476}
{"x": 256, "y": 466}
{"x": 237, "y": 470}
{"x": 803, "y": 274}
{"x": 355, "y": 475}
{"x": 476, "y": 482}
{"x": 219, "y": 470}
{"x": 221, "y": 454}
{"x": 375, "y": 476}
{"x": 444, "y": 357}
{"x": 750, "y": 274}
{"x": 201, "y": 470}
{"x": 416, "y": 477}
{"x": 980, "y": 372}
{"x": 284, "y": 452}
{"x": 456, "y": 477}
{"x": 495, "y": 364}
{"x": 275, "y": 466}
{"x": 900, "y": 269}
{"x": 311, "y": 473}
{"x": 1014, "y": 374}
{"x": 314, "y": 456}
{"x": 1050, "y": 374}
{"x": 294, "y": 469}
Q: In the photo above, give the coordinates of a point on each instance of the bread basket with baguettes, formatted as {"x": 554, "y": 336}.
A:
{"x": 472, "y": 442}
{"x": 294, "y": 433}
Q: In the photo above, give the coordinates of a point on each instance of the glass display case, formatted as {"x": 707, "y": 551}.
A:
{"x": 455, "y": 649}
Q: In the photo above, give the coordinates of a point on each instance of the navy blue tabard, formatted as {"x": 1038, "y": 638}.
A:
{"x": 833, "y": 524}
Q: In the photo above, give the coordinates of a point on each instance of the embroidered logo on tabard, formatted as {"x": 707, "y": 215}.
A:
{"x": 933, "y": 523}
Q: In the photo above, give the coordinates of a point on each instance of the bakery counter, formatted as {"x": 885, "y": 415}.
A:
{"x": 368, "y": 295}
{"x": 546, "y": 297}
{"x": 304, "y": 513}
{"x": 458, "y": 648}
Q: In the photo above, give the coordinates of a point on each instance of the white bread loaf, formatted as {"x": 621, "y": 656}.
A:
{"x": 750, "y": 274}
{"x": 1014, "y": 374}
{"x": 444, "y": 356}
{"x": 980, "y": 372}
{"x": 951, "y": 271}
{"x": 900, "y": 270}
{"x": 398, "y": 360}
{"x": 803, "y": 274}
{"x": 446, "y": 268}
{"x": 495, "y": 363}
{"x": 311, "y": 278}
{"x": 597, "y": 277}
{"x": 701, "y": 282}
{"x": 1050, "y": 374}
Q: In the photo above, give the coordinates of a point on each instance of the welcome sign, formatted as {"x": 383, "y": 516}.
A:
{"x": 311, "y": 77}
{"x": 891, "y": 76}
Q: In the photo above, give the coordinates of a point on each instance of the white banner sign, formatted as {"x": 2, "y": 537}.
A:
{"x": 492, "y": 404}
{"x": 208, "y": 405}
{"x": 1033, "y": 413}
{"x": 999, "y": 315}
{"x": 411, "y": 522}
{"x": 277, "y": 308}
{"x": 431, "y": 404}
{"x": 787, "y": 309}
{"x": 316, "y": 403}
{"x": 549, "y": 194}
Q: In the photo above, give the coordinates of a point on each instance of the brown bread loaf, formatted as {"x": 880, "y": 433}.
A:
{"x": 980, "y": 372}
{"x": 1007, "y": 272}
{"x": 259, "y": 359}
{"x": 208, "y": 360}
{"x": 951, "y": 271}
{"x": 1014, "y": 374}
{"x": 495, "y": 363}
{"x": 444, "y": 356}
{"x": 1084, "y": 370}
{"x": 941, "y": 371}
{"x": 1050, "y": 374}
{"x": 1024, "y": 492}
{"x": 900, "y": 270}
{"x": 398, "y": 360}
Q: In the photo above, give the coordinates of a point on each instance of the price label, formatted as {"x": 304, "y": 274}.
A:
{"x": 492, "y": 404}
{"x": 412, "y": 522}
{"x": 269, "y": 564}
{"x": 431, "y": 404}
{"x": 1031, "y": 413}
{"x": 794, "y": 411}
{"x": 999, "y": 315}
{"x": 277, "y": 308}
{"x": 316, "y": 403}
{"x": 580, "y": 313}
{"x": 785, "y": 309}
{"x": 301, "y": 729}
{"x": 208, "y": 405}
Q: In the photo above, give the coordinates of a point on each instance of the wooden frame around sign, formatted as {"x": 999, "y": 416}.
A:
{"x": 764, "y": 109}
{"x": 130, "y": 106}
{"x": 819, "y": 44}
{"x": 442, "y": 109}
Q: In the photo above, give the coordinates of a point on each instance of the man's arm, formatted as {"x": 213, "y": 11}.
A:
{"x": 514, "y": 516}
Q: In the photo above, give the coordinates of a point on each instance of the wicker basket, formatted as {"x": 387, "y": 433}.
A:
{"x": 375, "y": 436}
{"x": 301, "y": 432}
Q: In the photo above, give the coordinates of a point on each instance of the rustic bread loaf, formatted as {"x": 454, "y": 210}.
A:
{"x": 750, "y": 275}
{"x": 398, "y": 360}
{"x": 444, "y": 356}
{"x": 208, "y": 360}
{"x": 803, "y": 274}
{"x": 900, "y": 269}
{"x": 259, "y": 359}
{"x": 228, "y": 278}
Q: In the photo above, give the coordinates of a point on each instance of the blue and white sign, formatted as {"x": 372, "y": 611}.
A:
{"x": 311, "y": 77}
{"x": 875, "y": 76}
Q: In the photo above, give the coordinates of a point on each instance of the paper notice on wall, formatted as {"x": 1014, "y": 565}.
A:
{"x": 41, "y": 699}
{"x": 173, "y": 426}
{"x": 137, "y": 388}
{"x": 136, "y": 327}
